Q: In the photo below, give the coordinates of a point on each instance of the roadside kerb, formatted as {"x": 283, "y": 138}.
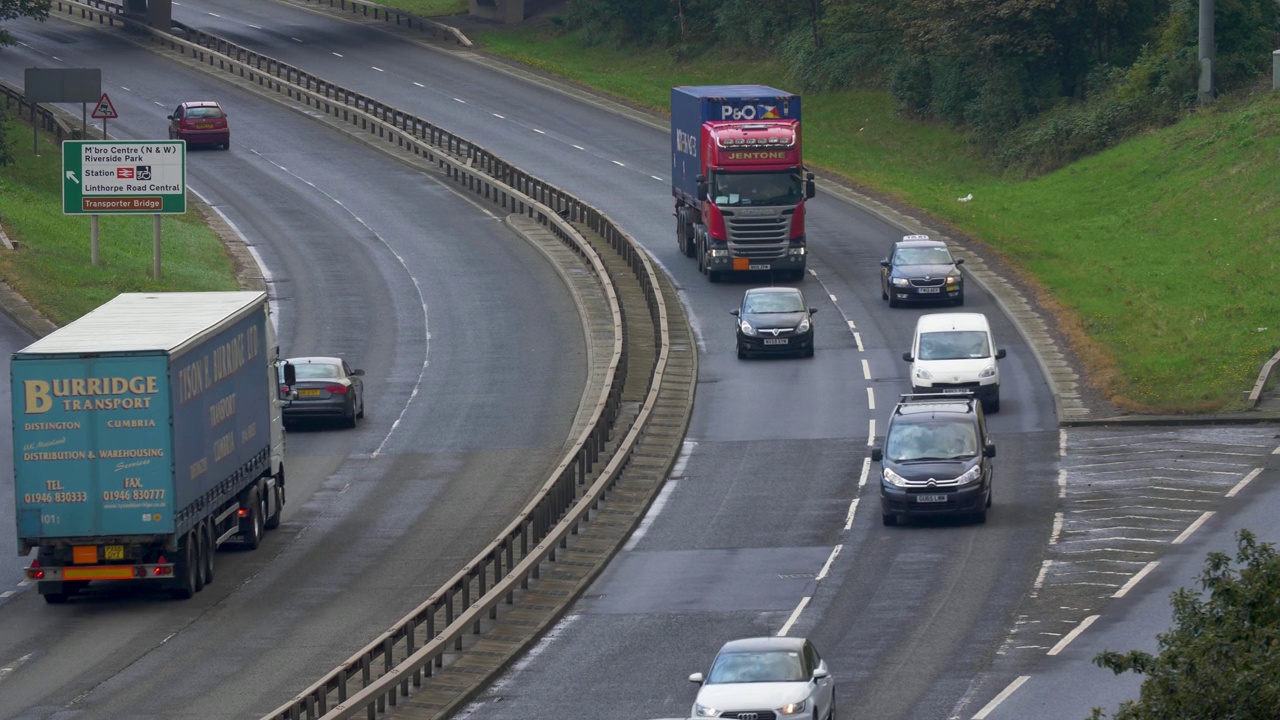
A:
{"x": 559, "y": 498}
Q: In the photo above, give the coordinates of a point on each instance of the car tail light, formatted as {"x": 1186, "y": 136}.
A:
{"x": 336, "y": 389}
{"x": 284, "y": 389}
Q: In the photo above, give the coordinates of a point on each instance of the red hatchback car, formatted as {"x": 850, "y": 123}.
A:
{"x": 200, "y": 123}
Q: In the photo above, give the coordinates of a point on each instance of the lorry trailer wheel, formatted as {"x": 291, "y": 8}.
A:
{"x": 211, "y": 549}
{"x": 186, "y": 568}
{"x": 202, "y": 554}
{"x": 253, "y": 533}
{"x": 57, "y": 597}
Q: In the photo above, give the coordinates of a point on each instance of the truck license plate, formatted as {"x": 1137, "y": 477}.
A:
{"x": 113, "y": 552}
{"x": 757, "y": 267}
{"x": 776, "y": 341}
{"x": 931, "y": 498}
{"x": 925, "y": 291}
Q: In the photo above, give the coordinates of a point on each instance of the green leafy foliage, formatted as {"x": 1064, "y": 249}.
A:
{"x": 12, "y": 9}
{"x": 6, "y": 142}
{"x": 1222, "y": 657}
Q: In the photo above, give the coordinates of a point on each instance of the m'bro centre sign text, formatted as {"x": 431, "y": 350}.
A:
{"x": 108, "y": 177}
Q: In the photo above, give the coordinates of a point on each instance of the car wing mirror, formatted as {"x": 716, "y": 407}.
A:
{"x": 734, "y": 312}
{"x": 290, "y": 374}
{"x": 168, "y": 117}
{"x": 357, "y": 373}
{"x": 907, "y": 356}
{"x": 877, "y": 454}
{"x": 959, "y": 261}
{"x": 989, "y": 450}
{"x": 820, "y": 673}
{"x": 1000, "y": 353}
{"x": 813, "y": 310}
{"x": 885, "y": 263}
{"x": 696, "y": 678}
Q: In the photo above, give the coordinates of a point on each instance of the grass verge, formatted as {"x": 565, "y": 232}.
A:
{"x": 51, "y": 267}
{"x": 1158, "y": 255}
{"x": 430, "y": 8}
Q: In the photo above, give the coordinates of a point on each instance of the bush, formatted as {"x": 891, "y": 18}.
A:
{"x": 6, "y": 142}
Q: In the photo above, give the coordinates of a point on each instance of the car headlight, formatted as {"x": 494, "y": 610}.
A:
{"x": 970, "y": 475}
{"x": 793, "y": 708}
{"x": 795, "y": 250}
{"x": 900, "y": 282}
{"x": 718, "y": 252}
{"x": 923, "y": 374}
{"x": 746, "y": 328}
{"x": 704, "y": 711}
{"x": 803, "y": 327}
{"x": 953, "y": 279}
{"x": 988, "y": 371}
{"x": 894, "y": 478}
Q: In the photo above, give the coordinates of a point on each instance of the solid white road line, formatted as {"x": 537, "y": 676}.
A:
{"x": 1064, "y": 642}
{"x": 1004, "y": 695}
{"x": 1247, "y": 479}
{"x": 795, "y": 615}
{"x": 1193, "y": 527}
{"x": 826, "y": 567}
{"x": 1146, "y": 569}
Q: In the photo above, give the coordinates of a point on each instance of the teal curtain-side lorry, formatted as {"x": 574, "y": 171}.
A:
{"x": 146, "y": 435}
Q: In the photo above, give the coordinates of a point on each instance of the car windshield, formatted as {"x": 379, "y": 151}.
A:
{"x": 204, "y": 112}
{"x": 732, "y": 189}
{"x": 932, "y": 440}
{"x": 763, "y": 303}
{"x": 954, "y": 345}
{"x": 922, "y": 256}
{"x": 754, "y": 667}
{"x": 317, "y": 371}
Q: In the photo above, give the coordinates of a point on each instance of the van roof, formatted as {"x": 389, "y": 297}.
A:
{"x": 935, "y": 322}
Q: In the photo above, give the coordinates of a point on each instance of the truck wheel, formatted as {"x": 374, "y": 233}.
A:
{"x": 202, "y": 553}
{"x": 54, "y": 597}
{"x": 210, "y": 551}
{"x": 186, "y": 568}
{"x": 273, "y": 520}
{"x": 253, "y": 531}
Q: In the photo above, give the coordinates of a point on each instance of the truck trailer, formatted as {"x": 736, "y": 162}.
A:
{"x": 738, "y": 178}
{"x": 147, "y": 434}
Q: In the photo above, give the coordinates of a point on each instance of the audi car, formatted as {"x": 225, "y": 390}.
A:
{"x": 325, "y": 388}
{"x": 921, "y": 270}
{"x": 774, "y": 320}
{"x": 766, "y": 678}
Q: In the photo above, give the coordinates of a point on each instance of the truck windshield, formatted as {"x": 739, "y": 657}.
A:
{"x": 733, "y": 189}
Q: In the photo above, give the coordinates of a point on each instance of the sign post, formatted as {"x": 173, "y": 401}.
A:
{"x": 105, "y": 110}
{"x": 134, "y": 177}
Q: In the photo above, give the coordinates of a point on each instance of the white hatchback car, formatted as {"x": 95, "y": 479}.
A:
{"x": 766, "y": 677}
{"x": 955, "y": 353}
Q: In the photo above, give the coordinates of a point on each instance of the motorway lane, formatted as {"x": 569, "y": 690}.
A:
{"x": 776, "y": 447}
{"x": 364, "y": 257}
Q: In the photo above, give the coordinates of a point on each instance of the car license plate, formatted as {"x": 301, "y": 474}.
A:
{"x": 204, "y": 126}
{"x": 931, "y": 498}
{"x": 113, "y": 552}
{"x": 757, "y": 267}
{"x": 776, "y": 341}
{"x": 954, "y": 391}
{"x": 308, "y": 393}
{"x": 927, "y": 290}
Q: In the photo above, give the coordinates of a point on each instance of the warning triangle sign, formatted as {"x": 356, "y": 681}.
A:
{"x": 105, "y": 109}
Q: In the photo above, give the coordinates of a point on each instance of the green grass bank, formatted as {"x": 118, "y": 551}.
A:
{"x": 1157, "y": 256}
{"x": 51, "y": 267}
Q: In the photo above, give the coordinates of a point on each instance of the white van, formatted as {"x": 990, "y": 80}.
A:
{"x": 955, "y": 353}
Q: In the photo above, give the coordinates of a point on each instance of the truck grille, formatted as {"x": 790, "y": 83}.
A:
{"x": 759, "y": 237}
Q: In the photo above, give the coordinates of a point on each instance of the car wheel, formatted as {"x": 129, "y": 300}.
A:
{"x": 980, "y": 517}
{"x": 893, "y": 301}
{"x": 959, "y": 300}
{"x": 809, "y": 352}
{"x": 991, "y": 491}
{"x": 994, "y": 404}
{"x": 742, "y": 354}
{"x": 889, "y": 519}
{"x": 361, "y": 413}
{"x": 351, "y": 419}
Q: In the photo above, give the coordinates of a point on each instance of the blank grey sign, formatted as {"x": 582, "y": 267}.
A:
{"x": 62, "y": 85}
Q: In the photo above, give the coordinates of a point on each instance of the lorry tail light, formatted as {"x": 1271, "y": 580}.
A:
{"x": 34, "y": 572}
{"x": 242, "y": 512}
{"x": 336, "y": 389}
{"x": 161, "y": 560}
{"x": 163, "y": 571}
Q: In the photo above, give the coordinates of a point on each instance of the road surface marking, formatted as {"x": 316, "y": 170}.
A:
{"x": 871, "y": 433}
{"x": 255, "y": 27}
{"x": 1064, "y": 642}
{"x": 851, "y": 325}
{"x": 338, "y": 54}
{"x": 415, "y": 82}
{"x": 795, "y": 615}
{"x": 298, "y": 40}
{"x": 833, "y": 297}
{"x": 1146, "y": 569}
{"x": 4, "y": 671}
{"x": 578, "y": 147}
{"x": 826, "y": 567}
{"x": 500, "y": 117}
{"x": 1057, "y": 528}
{"x": 871, "y": 399}
{"x": 857, "y": 337}
{"x": 460, "y": 100}
{"x": 1247, "y": 478}
{"x": 655, "y": 177}
{"x": 1062, "y": 482}
{"x": 862, "y": 480}
{"x": 215, "y": 15}
{"x": 375, "y": 67}
{"x": 1044, "y": 570}
{"x": 7, "y": 593}
{"x": 1004, "y": 695}
{"x": 618, "y": 163}
{"x": 866, "y": 370}
{"x": 1193, "y": 527}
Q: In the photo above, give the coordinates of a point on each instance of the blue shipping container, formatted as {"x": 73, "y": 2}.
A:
{"x": 692, "y": 105}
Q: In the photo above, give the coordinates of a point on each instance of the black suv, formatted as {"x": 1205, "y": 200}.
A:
{"x": 921, "y": 269}
{"x": 936, "y": 458}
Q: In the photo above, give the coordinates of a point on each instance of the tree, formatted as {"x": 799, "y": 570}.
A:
{"x": 11, "y": 9}
{"x": 6, "y": 146}
{"x": 1222, "y": 657}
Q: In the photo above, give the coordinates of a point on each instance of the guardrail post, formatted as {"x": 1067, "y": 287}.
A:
{"x": 524, "y": 552}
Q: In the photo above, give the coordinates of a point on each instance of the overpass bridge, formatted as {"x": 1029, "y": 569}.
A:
{"x": 159, "y": 13}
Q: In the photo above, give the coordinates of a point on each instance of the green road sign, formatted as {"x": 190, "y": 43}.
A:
{"x": 105, "y": 177}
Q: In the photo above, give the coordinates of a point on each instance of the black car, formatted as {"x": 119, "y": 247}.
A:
{"x": 324, "y": 387}
{"x": 774, "y": 320}
{"x": 936, "y": 459}
{"x": 920, "y": 269}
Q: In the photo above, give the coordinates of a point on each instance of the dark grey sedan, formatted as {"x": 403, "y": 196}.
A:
{"x": 774, "y": 320}
{"x": 326, "y": 387}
